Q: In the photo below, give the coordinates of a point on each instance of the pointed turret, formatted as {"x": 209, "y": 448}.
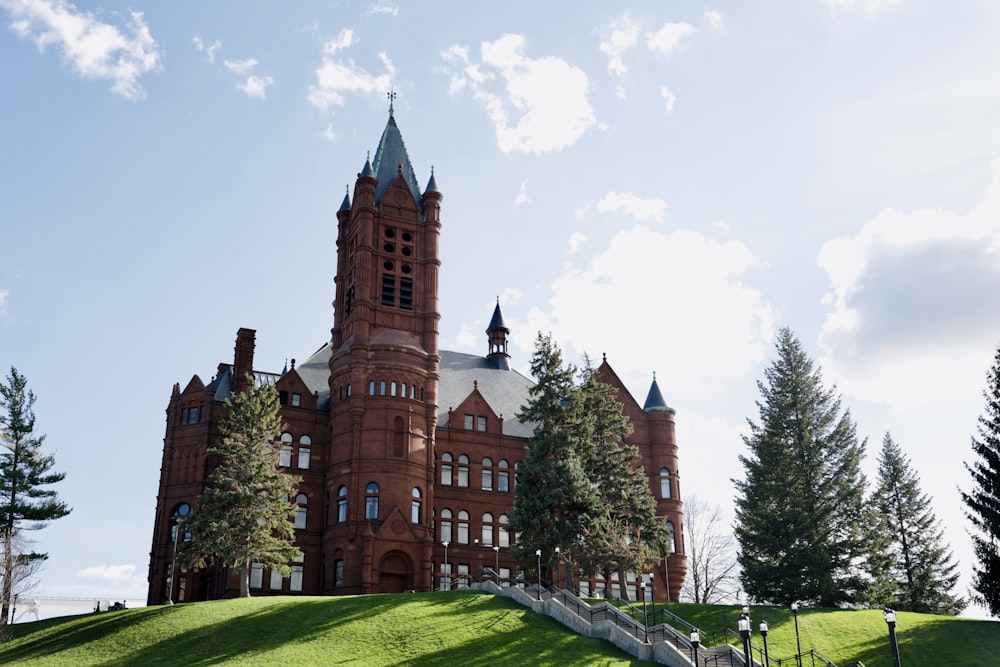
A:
{"x": 655, "y": 401}
{"x": 346, "y": 204}
{"x": 391, "y": 158}
{"x": 497, "y": 333}
{"x": 367, "y": 170}
{"x": 432, "y": 185}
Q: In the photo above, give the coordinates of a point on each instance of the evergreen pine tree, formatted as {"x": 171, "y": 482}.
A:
{"x": 553, "y": 499}
{"x": 25, "y": 474}
{"x": 245, "y": 513}
{"x": 922, "y": 566}
{"x": 800, "y": 508}
{"x": 982, "y": 502}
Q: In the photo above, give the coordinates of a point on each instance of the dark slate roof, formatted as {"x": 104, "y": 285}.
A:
{"x": 346, "y": 204}
{"x": 315, "y": 373}
{"x": 505, "y": 391}
{"x": 655, "y": 400}
{"x": 432, "y": 185}
{"x": 497, "y": 321}
{"x": 390, "y": 154}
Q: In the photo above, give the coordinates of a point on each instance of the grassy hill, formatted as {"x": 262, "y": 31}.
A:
{"x": 454, "y": 629}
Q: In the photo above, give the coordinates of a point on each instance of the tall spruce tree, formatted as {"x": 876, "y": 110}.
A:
{"x": 799, "y": 510}
{"x": 921, "y": 560}
{"x": 26, "y": 501}
{"x": 628, "y": 522}
{"x": 982, "y": 502}
{"x": 553, "y": 499}
{"x": 245, "y": 513}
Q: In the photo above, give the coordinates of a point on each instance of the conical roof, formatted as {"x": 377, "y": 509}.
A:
{"x": 497, "y": 321}
{"x": 389, "y": 158}
{"x": 654, "y": 399}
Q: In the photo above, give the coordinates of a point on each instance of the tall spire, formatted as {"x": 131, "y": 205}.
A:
{"x": 391, "y": 158}
{"x": 392, "y": 97}
{"x": 655, "y": 401}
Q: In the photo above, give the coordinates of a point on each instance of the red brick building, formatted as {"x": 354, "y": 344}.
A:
{"x": 401, "y": 447}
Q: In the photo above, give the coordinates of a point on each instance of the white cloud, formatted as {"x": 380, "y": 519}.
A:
{"x": 547, "y": 97}
{"x": 93, "y": 48}
{"x": 240, "y": 66}
{"x": 912, "y": 307}
{"x": 343, "y": 40}
{"x": 118, "y": 573}
{"x": 3, "y": 299}
{"x": 576, "y": 241}
{"x": 669, "y": 37}
{"x": 335, "y": 79}
{"x": 649, "y": 279}
{"x": 329, "y": 134}
{"x": 385, "y": 8}
{"x": 255, "y": 86}
{"x": 638, "y": 208}
{"x": 668, "y": 97}
{"x": 714, "y": 19}
{"x": 522, "y": 196}
{"x": 623, "y": 35}
{"x": 209, "y": 51}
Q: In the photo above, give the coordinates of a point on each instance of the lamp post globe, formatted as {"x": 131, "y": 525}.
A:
{"x": 558, "y": 567}
{"x": 496, "y": 572}
{"x": 695, "y": 641}
{"x": 743, "y": 625}
{"x": 763, "y": 633}
{"x": 538, "y": 555}
{"x": 645, "y": 618}
{"x": 445, "y": 577}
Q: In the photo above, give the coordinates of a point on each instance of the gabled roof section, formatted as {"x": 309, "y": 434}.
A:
{"x": 505, "y": 391}
{"x": 390, "y": 155}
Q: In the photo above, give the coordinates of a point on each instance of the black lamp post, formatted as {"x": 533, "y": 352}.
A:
{"x": 763, "y": 633}
{"x": 695, "y": 640}
{"x": 743, "y": 625}
{"x": 652, "y": 595}
{"x": 475, "y": 575}
{"x": 496, "y": 572}
{"x": 890, "y": 620}
{"x": 538, "y": 555}
{"x": 798, "y": 644}
{"x": 645, "y": 618}
{"x": 445, "y": 577}
{"x": 558, "y": 566}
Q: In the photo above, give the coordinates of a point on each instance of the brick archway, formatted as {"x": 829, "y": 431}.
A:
{"x": 395, "y": 573}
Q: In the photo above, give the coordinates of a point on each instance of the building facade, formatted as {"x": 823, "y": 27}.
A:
{"x": 407, "y": 454}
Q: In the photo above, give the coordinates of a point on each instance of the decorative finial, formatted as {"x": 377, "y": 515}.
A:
{"x": 654, "y": 376}
{"x": 392, "y": 96}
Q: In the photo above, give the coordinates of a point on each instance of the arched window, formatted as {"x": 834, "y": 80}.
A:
{"x": 371, "y": 501}
{"x": 342, "y": 505}
{"x": 305, "y": 452}
{"x": 463, "y": 527}
{"x": 504, "y": 531}
{"x": 446, "y": 469}
{"x": 487, "y": 474}
{"x": 446, "y": 525}
{"x": 463, "y": 471}
{"x": 665, "y": 491}
{"x": 671, "y": 539}
{"x": 381, "y": 388}
{"x": 180, "y": 512}
{"x": 503, "y": 476}
{"x": 487, "y": 529}
{"x": 301, "y": 512}
{"x": 285, "y": 457}
{"x": 416, "y": 515}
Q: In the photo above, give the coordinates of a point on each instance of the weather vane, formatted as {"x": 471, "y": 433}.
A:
{"x": 392, "y": 96}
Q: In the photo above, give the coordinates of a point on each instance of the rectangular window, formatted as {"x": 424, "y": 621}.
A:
{"x": 487, "y": 479}
{"x": 338, "y": 573}
{"x": 388, "y": 289}
{"x": 193, "y": 416}
{"x": 463, "y": 476}
{"x": 296, "y": 583}
{"x": 371, "y": 507}
{"x": 481, "y": 424}
{"x": 342, "y": 510}
{"x": 201, "y": 414}
{"x": 505, "y": 576}
{"x": 275, "y": 580}
{"x": 504, "y": 536}
{"x": 184, "y": 416}
{"x": 256, "y": 575}
{"x": 300, "y": 518}
{"x": 446, "y": 474}
{"x": 468, "y": 422}
{"x": 415, "y": 511}
{"x": 283, "y": 397}
{"x": 487, "y": 535}
{"x": 463, "y": 532}
{"x": 296, "y": 400}
{"x": 305, "y": 454}
{"x": 502, "y": 481}
{"x": 285, "y": 457}
{"x": 446, "y": 576}
{"x": 463, "y": 576}
{"x": 406, "y": 293}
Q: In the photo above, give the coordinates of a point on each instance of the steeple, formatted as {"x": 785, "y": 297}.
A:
{"x": 655, "y": 401}
{"x": 346, "y": 204}
{"x": 497, "y": 333}
{"x": 391, "y": 158}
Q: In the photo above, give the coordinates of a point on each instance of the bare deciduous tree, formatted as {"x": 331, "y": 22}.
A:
{"x": 711, "y": 551}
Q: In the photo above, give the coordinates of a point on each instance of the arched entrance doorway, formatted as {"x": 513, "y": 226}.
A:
{"x": 395, "y": 573}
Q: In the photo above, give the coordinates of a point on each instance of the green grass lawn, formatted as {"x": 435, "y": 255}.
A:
{"x": 455, "y": 629}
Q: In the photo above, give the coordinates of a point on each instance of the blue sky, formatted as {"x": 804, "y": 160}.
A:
{"x": 664, "y": 183}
